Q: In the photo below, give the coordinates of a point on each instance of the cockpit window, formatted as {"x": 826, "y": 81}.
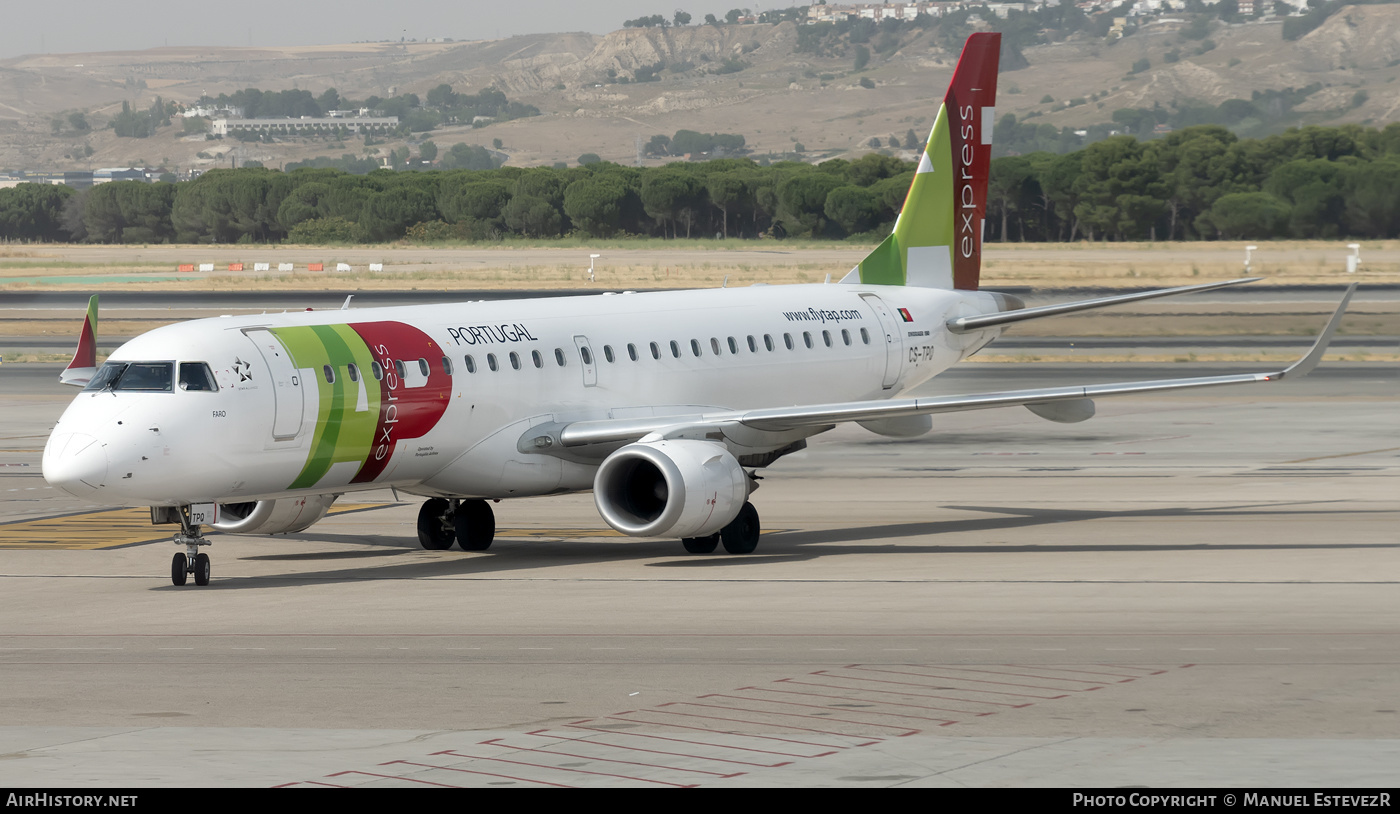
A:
{"x": 146, "y": 377}
{"x": 197, "y": 376}
{"x": 106, "y": 376}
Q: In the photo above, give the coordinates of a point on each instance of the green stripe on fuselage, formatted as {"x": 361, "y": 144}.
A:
{"x": 342, "y": 432}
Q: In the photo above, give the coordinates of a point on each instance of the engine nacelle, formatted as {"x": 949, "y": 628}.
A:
{"x": 273, "y": 516}
{"x": 670, "y": 488}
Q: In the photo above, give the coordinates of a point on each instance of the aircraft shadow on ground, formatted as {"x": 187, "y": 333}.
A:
{"x": 517, "y": 558}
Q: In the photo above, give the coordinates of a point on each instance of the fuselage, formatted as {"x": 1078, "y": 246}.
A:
{"x": 434, "y": 399}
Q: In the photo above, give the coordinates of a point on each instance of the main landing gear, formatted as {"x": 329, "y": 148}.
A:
{"x": 739, "y": 537}
{"x": 469, "y": 523}
{"x": 191, "y": 560}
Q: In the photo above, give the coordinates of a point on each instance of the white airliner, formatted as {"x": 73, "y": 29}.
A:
{"x": 663, "y": 404}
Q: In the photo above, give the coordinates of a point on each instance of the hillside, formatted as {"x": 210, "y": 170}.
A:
{"x": 778, "y": 100}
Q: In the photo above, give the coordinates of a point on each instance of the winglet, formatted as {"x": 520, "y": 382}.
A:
{"x": 84, "y": 365}
{"x": 1304, "y": 366}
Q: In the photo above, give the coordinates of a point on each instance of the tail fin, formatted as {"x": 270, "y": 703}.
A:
{"x": 84, "y": 365}
{"x": 937, "y": 239}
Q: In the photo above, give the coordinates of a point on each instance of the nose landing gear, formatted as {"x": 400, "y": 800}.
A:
{"x": 191, "y": 560}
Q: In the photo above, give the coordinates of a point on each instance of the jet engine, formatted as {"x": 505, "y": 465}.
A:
{"x": 670, "y": 488}
{"x": 273, "y": 516}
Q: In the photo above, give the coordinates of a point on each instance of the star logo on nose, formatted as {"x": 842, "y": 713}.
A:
{"x": 243, "y": 369}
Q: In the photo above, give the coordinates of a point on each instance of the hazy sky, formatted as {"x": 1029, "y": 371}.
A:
{"x": 108, "y": 25}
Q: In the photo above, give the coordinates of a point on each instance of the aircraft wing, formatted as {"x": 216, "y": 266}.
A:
{"x": 1039, "y": 400}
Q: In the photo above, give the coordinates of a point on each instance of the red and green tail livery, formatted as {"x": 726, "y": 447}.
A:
{"x": 937, "y": 239}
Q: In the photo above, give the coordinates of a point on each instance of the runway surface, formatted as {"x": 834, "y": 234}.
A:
{"x": 1197, "y": 589}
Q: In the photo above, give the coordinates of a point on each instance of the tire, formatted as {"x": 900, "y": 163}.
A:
{"x": 476, "y": 525}
{"x": 203, "y": 567}
{"x": 741, "y": 535}
{"x": 435, "y": 531}
{"x": 701, "y": 545}
{"x": 178, "y": 569}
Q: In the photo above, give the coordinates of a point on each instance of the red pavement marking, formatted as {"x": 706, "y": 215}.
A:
{"x": 975, "y": 681}
{"x": 499, "y": 742}
{"x": 1091, "y": 673}
{"x": 757, "y": 723}
{"x": 827, "y": 707}
{"x": 1028, "y": 675}
{"x": 945, "y": 678}
{"x": 905, "y": 693}
{"x": 878, "y": 701}
{"x": 664, "y": 752}
{"x": 546, "y": 766}
{"x": 702, "y": 743}
{"x": 822, "y": 718}
{"x": 741, "y": 734}
{"x": 396, "y": 776}
{"x": 858, "y": 693}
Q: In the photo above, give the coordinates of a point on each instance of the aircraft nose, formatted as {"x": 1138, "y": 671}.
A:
{"x": 76, "y": 463}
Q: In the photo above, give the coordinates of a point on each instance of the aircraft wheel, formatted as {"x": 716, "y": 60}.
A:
{"x": 435, "y": 529}
{"x": 202, "y": 568}
{"x": 179, "y": 569}
{"x": 741, "y": 535}
{"x": 475, "y": 524}
{"x": 701, "y": 545}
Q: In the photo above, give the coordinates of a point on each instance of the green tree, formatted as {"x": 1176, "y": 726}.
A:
{"x": 428, "y": 151}
{"x": 588, "y": 158}
{"x": 855, "y": 209}
{"x": 34, "y": 212}
{"x": 387, "y": 215}
{"x": 596, "y": 204}
{"x": 1245, "y": 215}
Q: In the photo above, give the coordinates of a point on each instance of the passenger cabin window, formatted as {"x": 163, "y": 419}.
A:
{"x": 768, "y": 341}
{"x": 607, "y": 353}
{"x": 655, "y": 351}
{"x": 423, "y": 367}
{"x": 399, "y": 366}
{"x": 845, "y": 336}
{"x": 826, "y": 337}
{"x": 326, "y": 371}
{"x": 733, "y": 346}
{"x": 584, "y": 353}
{"x": 514, "y": 360}
{"x": 491, "y": 362}
{"x": 865, "y": 336}
{"x": 447, "y": 365}
{"x": 197, "y": 376}
{"x": 537, "y": 358}
{"x": 471, "y": 363}
{"x": 807, "y": 338}
{"x": 787, "y": 340}
{"x": 695, "y": 346}
{"x": 631, "y": 351}
{"x": 675, "y": 349}
{"x": 354, "y": 372}
{"x": 753, "y": 345}
{"x": 559, "y": 356}
{"x": 378, "y": 371}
